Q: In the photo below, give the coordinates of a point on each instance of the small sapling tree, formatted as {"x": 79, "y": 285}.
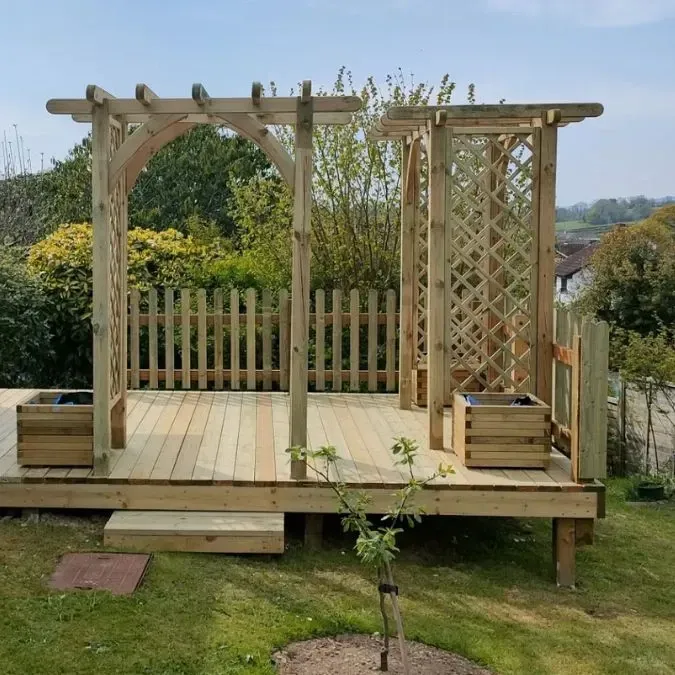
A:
{"x": 376, "y": 543}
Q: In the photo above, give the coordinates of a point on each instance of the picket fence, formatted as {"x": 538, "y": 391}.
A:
{"x": 242, "y": 341}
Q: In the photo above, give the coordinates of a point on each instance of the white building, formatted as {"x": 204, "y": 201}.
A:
{"x": 572, "y": 273}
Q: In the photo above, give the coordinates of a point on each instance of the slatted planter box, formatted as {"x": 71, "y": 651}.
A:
{"x": 54, "y": 435}
{"x": 496, "y": 434}
{"x": 419, "y": 385}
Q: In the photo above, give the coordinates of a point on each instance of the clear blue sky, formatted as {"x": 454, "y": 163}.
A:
{"x": 618, "y": 52}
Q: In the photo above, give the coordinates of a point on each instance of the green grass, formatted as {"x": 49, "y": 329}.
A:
{"x": 480, "y": 587}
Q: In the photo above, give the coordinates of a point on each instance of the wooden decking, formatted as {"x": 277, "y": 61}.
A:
{"x": 226, "y": 451}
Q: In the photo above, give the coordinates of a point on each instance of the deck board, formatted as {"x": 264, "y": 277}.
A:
{"x": 183, "y": 441}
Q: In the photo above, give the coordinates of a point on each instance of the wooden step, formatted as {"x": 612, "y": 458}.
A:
{"x": 202, "y": 531}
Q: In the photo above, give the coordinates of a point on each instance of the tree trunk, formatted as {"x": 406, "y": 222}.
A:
{"x": 399, "y": 621}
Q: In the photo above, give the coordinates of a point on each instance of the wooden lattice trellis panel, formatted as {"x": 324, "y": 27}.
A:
{"x": 421, "y": 271}
{"x": 117, "y": 268}
{"x": 489, "y": 284}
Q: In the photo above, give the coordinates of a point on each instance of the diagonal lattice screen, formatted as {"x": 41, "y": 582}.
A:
{"x": 489, "y": 246}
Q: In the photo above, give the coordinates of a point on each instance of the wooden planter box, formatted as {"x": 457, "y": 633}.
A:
{"x": 54, "y": 435}
{"x": 498, "y": 435}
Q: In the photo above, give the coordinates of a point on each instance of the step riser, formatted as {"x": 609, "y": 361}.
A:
{"x": 195, "y": 544}
{"x": 196, "y": 531}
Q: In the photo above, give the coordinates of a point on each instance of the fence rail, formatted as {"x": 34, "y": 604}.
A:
{"x": 242, "y": 340}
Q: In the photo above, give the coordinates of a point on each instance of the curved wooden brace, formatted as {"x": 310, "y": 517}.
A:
{"x": 413, "y": 160}
{"x": 151, "y": 147}
{"x": 146, "y": 132}
{"x": 249, "y": 127}
{"x": 159, "y": 131}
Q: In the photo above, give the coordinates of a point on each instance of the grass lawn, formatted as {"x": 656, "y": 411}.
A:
{"x": 480, "y": 587}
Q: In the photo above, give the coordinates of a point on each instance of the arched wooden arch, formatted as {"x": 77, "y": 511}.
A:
{"x": 160, "y": 130}
{"x": 117, "y": 159}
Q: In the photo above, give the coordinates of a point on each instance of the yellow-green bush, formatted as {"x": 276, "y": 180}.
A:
{"x": 63, "y": 263}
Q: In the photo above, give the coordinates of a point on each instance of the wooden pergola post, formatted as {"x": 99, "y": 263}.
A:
{"x": 410, "y": 173}
{"x": 302, "y": 212}
{"x": 543, "y": 387}
{"x": 100, "y": 144}
{"x": 436, "y": 351}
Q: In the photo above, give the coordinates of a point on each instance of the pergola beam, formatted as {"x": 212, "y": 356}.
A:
{"x": 95, "y": 95}
{"x": 199, "y": 95}
{"x": 213, "y": 106}
{"x": 499, "y": 111}
{"x": 144, "y": 94}
{"x": 263, "y": 118}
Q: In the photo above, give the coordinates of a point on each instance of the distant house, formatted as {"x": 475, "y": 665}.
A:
{"x": 571, "y": 273}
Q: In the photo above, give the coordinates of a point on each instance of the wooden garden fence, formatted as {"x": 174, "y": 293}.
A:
{"x": 580, "y": 392}
{"x": 241, "y": 340}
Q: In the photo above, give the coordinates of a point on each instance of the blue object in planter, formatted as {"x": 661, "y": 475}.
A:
{"x": 471, "y": 400}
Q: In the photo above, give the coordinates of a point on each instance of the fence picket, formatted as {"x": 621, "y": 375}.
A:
{"x": 250, "y": 338}
{"x": 235, "y": 376}
{"x": 354, "y": 330}
{"x": 267, "y": 339}
{"x": 390, "y": 348}
{"x": 152, "y": 337}
{"x": 168, "y": 338}
{"x": 185, "y": 337}
{"x": 372, "y": 340}
{"x": 337, "y": 339}
{"x": 218, "y": 338}
{"x": 201, "y": 338}
{"x": 320, "y": 339}
{"x": 134, "y": 342}
{"x": 284, "y": 318}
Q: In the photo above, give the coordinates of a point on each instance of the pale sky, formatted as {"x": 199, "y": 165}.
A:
{"x": 618, "y": 52}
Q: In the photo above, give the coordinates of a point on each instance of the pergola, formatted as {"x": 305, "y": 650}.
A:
{"x": 126, "y": 133}
{"x": 477, "y": 277}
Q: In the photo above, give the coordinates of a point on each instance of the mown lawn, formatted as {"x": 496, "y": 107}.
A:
{"x": 482, "y": 588}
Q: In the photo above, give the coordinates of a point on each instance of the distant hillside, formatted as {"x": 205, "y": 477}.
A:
{"x": 608, "y": 211}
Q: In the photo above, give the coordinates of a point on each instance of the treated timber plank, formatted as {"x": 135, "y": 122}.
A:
{"x": 235, "y": 381}
{"x": 201, "y": 338}
{"x": 185, "y": 337}
{"x": 250, "y": 339}
{"x": 152, "y": 338}
{"x": 134, "y": 342}
{"x": 292, "y": 498}
{"x": 365, "y": 464}
{"x": 337, "y": 340}
{"x": 354, "y": 351}
{"x": 372, "y": 340}
{"x": 218, "y": 337}
{"x": 189, "y": 450}
{"x": 145, "y": 463}
{"x": 244, "y": 467}
{"x": 172, "y": 444}
{"x": 223, "y": 470}
{"x": 208, "y": 448}
{"x": 267, "y": 339}
{"x": 332, "y": 435}
{"x": 281, "y": 436}
{"x": 265, "y": 461}
{"x": 390, "y": 344}
{"x": 436, "y": 287}
{"x": 320, "y": 339}
{"x": 284, "y": 340}
{"x": 168, "y": 337}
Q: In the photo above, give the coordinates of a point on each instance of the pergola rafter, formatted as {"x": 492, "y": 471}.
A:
{"x": 119, "y": 153}
{"x": 478, "y": 306}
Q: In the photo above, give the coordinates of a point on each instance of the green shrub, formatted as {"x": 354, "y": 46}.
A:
{"x": 24, "y": 332}
{"x": 63, "y": 263}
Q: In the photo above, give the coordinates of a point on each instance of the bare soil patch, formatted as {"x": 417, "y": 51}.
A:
{"x": 360, "y": 655}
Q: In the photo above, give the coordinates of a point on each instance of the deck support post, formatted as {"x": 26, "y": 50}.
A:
{"x": 302, "y": 212}
{"x": 313, "y": 531}
{"x": 436, "y": 372}
{"x": 410, "y": 176}
{"x": 564, "y": 551}
{"x": 545, "y": 256}
{"x": 100, "y": 143}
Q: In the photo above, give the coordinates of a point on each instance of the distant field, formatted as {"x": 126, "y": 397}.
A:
{"x": 581, "y": 229}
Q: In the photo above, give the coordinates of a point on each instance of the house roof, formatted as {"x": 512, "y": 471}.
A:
{"x": 576, "y": 261}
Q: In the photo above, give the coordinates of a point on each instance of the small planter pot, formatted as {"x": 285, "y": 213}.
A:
{"x": 651, "y": 492}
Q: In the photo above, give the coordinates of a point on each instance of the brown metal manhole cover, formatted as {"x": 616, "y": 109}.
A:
{"x": 119, "y": 573}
